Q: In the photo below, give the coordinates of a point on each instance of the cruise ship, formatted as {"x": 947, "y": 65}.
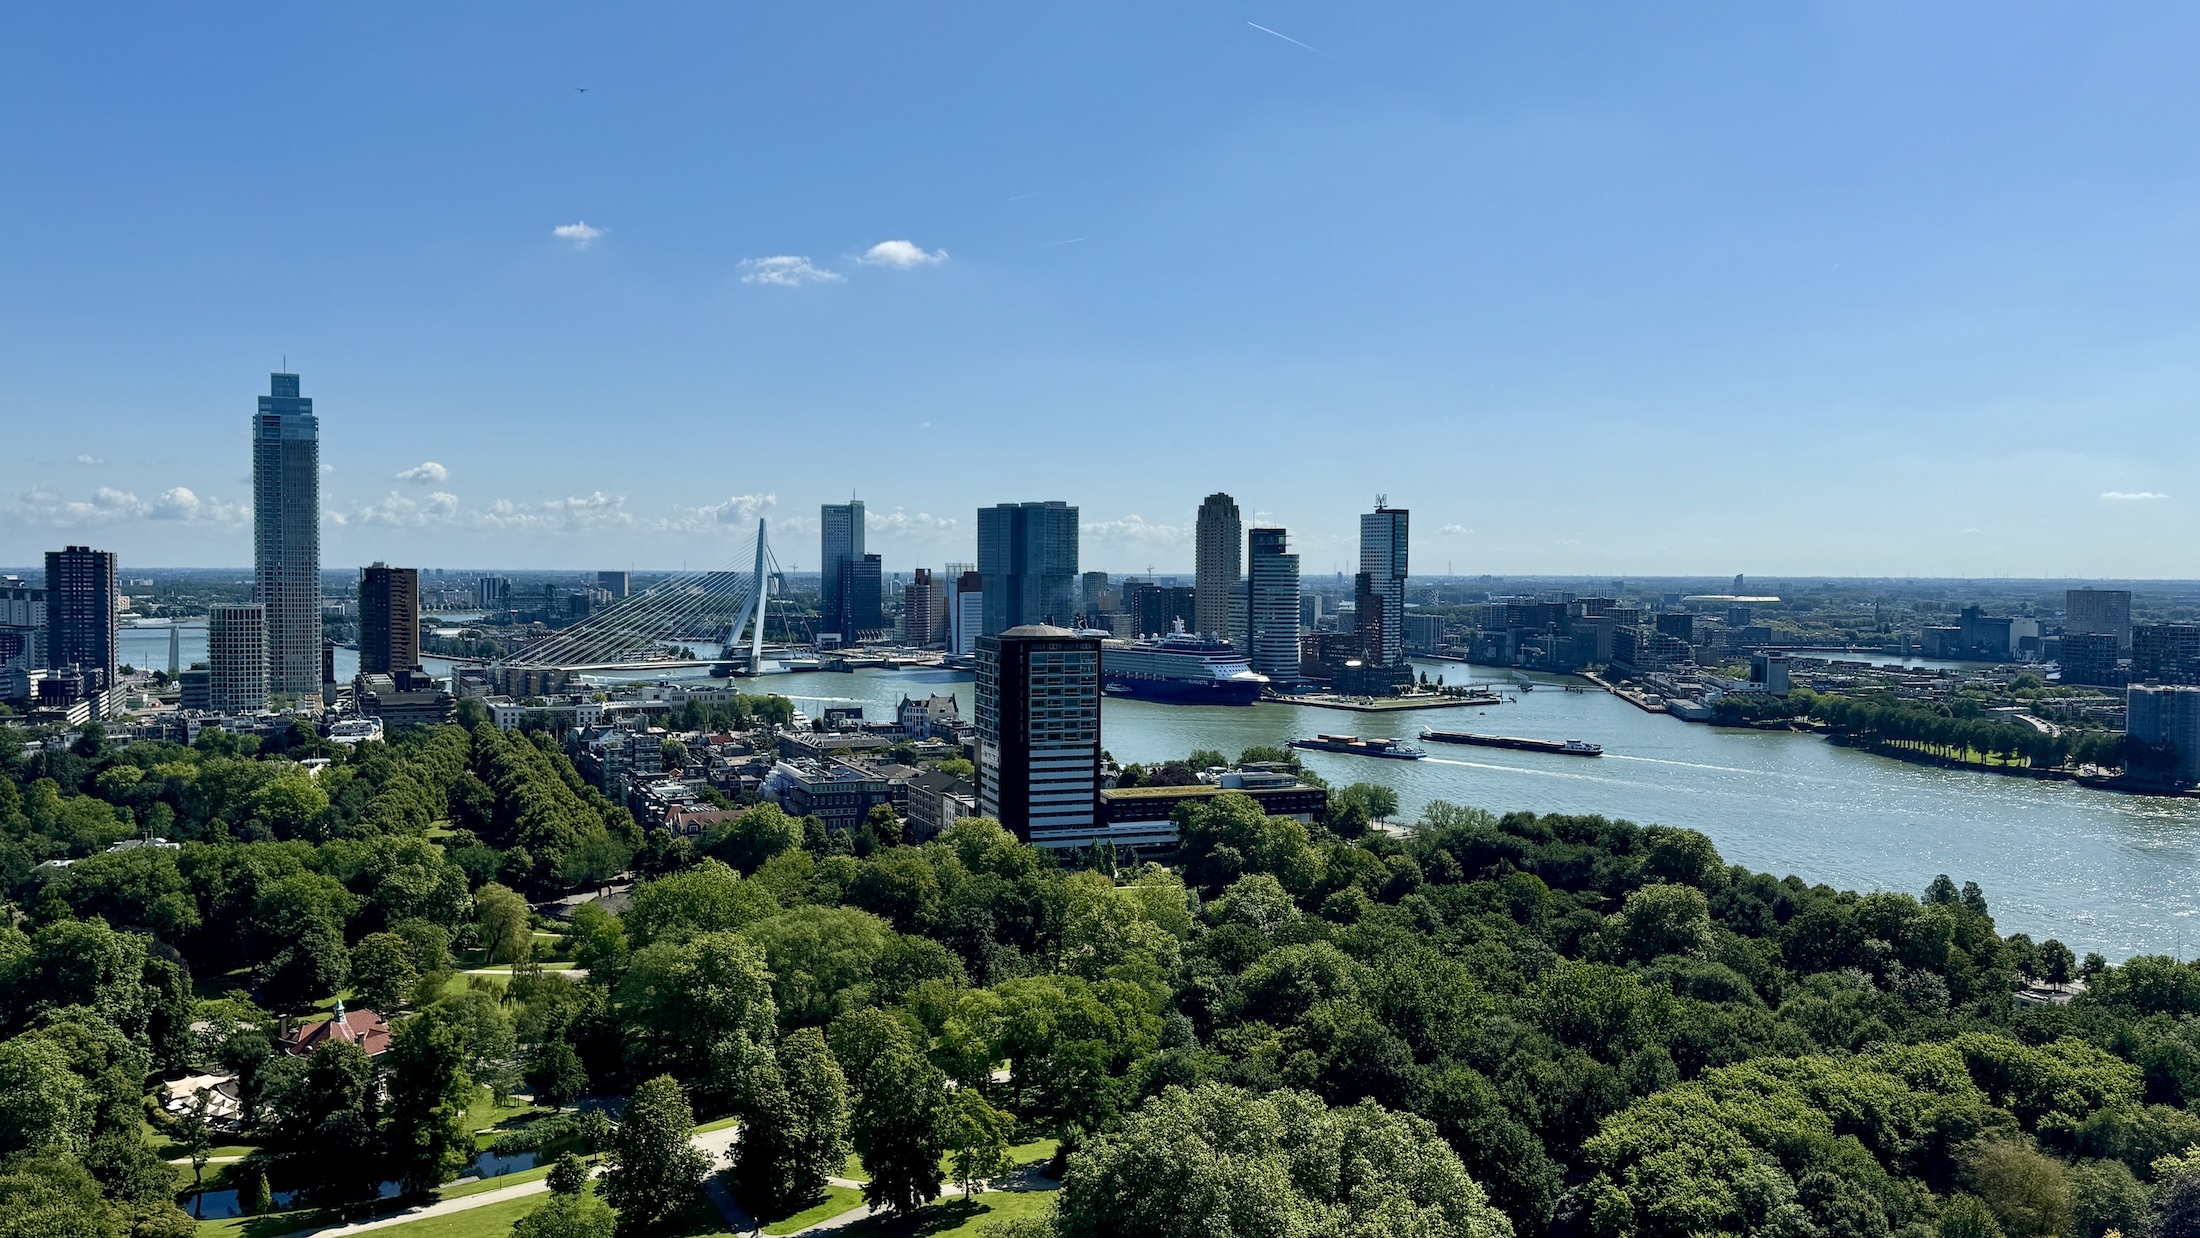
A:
{"x": 1180, "y": 668}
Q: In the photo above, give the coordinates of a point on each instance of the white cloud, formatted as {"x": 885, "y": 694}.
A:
{"x": 580, "y": 234}
{"x": 43, "y": 506}
{"x": 1454, "y": 530}
{"x": 89, "y": 460}
{"x": 582, "y": 514}
{"x": 738, "y": 509}
{"x": 901, "y": 254}
{"x": 178, "y": 503}
{"x": 402, "y": 511}
{"x": 426, "y": 473}
{"x": 1135, "y": 528}
{"x": 2135, "y": 496}
{"x": 786, "y": 270}
{"x": 900, "y": 521}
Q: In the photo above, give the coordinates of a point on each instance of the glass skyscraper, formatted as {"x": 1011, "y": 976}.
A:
{"x": 286, "y": 538}
{"x": 1272, "y": 605}
{"x": 840, "y": 543}
{"x": 1382, "y": 579}
{"x": 1027, "y": 554}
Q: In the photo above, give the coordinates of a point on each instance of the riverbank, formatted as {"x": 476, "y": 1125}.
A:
{"x": 1390, "y": 704}
{"x": 2101, "y": 870}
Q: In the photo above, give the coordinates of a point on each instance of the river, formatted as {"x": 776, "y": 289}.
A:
{"x": 2113, "y": 873}
{"x": 2101, "y": 871}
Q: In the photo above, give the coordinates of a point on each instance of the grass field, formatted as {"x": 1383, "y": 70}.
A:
{"x": 485, "y": 1113}
{"x": 956, "y": 1216}
{"x": 838, "y": 1199}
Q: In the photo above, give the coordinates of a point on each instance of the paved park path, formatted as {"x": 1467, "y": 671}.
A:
{"x": 712, "y": 1144}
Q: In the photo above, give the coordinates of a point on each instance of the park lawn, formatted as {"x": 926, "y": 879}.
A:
{"x": 955, "y": 1216}
{"x": 487, "y": 1221}
{"x": 216, "y": 985}
{"x": 456, "y": 984}
{"x": 1035, "y": 1152}
{"x": 460, "y": 1190}
{"x": 165, "y": 1146}
{"x": 717, "y": 1124}
{"x": 700, "y": 1219}
{"x": 267, "y": 1224}
{"x": 1021, "y": 1155}
{"x": 838, "y": 1199}
{"x": 485, "y": 1113}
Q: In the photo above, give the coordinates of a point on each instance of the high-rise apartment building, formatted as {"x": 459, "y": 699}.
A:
{"x": 1155, "y": 610}
{"x": 923, "y": 610}
{"x": 2090, "y": 658}
{"x": 2167, "y": 652}
{"x": 286, "y": 537}
{"x": 1382, "y": 579}
{"x": 2099, "y": 611}
{"x": 1038, "y": 725}
{"x": 22, "y": 636}
{"x": 1272, "y": 605}
{"x": 236, "y": 659}
{"x": 1027, "y": 553}
{"x": 1218, "y": 549}
{"x": 840, "y": 542}
{"x": 1094, "y": 595}
{"x": 617, "y": 584}
{"x": 861, "y": 595}
{"x": 2162, "y": 723}
{"x": 82, "y": 608}
{"x": 965, "y": 612}
{"x": 389, "y": 619}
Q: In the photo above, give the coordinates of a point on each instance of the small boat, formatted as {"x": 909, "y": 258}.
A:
{"x": 1563, "y": 747}
{"x": 1355, "y": 746}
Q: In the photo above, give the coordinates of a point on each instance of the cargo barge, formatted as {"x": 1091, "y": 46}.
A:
{"x": 1563, "y": 747}
{"x": 1355, "y": 746}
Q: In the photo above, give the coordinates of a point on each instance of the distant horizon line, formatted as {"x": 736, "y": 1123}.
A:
{"x": 1451, "y": 577}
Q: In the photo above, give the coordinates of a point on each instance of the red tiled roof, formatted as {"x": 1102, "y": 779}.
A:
{"x": 360, "y": 1027}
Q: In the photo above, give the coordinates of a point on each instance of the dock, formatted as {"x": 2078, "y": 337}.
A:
{"x": 1643, "y": 701}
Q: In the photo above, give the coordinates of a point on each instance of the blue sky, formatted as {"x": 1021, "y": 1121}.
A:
{"x": 1840, "y": 289}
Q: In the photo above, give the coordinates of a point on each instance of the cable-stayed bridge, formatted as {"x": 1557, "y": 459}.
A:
{"x": 655, "y": 629}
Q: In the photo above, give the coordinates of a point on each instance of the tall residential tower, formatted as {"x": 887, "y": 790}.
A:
{"x": 286, "y": 538}
{"x": 389, "y": 619}
{"x": 1038, "y": 704}
{"x": 81, "y": 612}
{"x": 236, "y": 656}
{"x": 2105, "y": 612}
{"x": 1219, "y": 548}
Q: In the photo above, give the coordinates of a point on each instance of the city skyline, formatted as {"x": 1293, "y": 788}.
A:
{"x": 1911, "y": 321}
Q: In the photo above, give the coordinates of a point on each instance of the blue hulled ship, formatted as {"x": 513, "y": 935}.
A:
{"x": 1181, "y": 669}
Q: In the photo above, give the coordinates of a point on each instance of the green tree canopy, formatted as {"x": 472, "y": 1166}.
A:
{"x": 1218, "y": 1159}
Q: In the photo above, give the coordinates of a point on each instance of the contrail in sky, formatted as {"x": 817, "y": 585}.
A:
{"x": 1288, "y": 39}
